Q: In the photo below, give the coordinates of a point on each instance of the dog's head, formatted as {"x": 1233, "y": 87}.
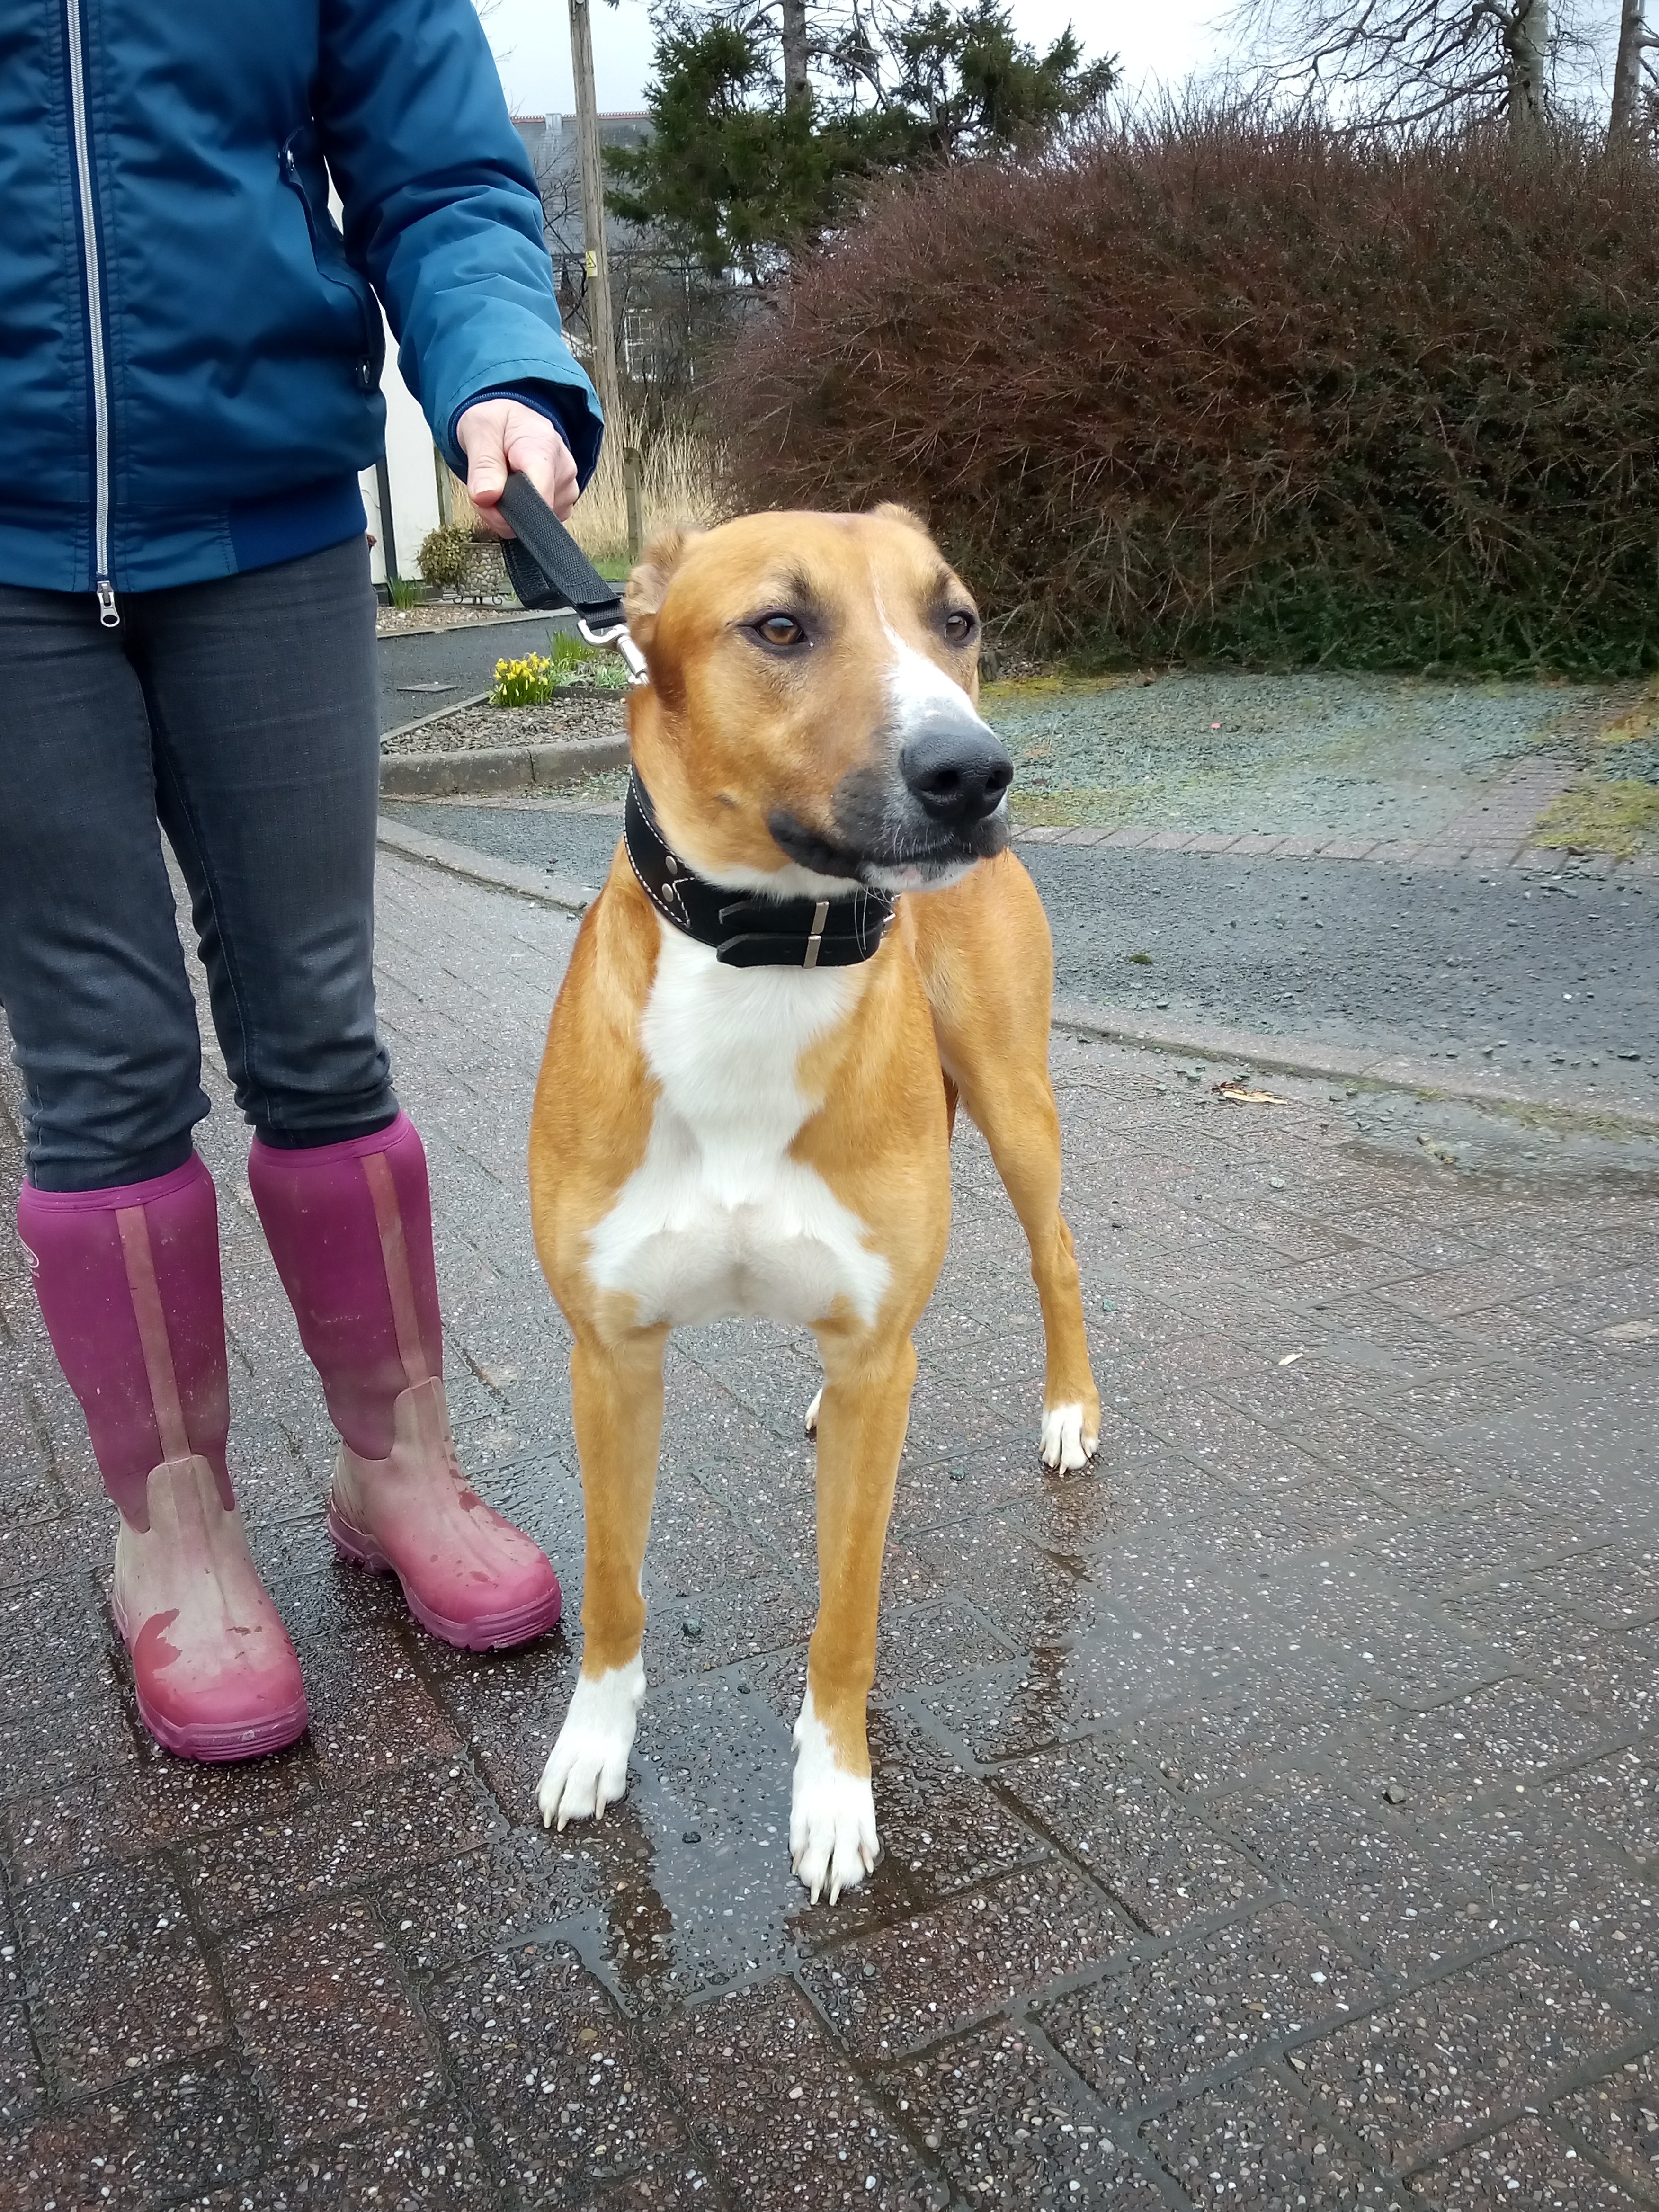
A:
{"x": 811, "y": 721}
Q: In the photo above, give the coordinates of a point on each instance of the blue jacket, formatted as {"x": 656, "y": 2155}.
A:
{"x": 189, "y": 349}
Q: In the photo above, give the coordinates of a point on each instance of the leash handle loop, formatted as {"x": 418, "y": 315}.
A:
{"x": 548, "y": 570}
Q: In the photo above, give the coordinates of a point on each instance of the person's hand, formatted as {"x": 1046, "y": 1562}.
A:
{"x": 499, "y": 434}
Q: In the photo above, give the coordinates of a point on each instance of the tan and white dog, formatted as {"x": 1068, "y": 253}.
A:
{"x": 753, "y": 1068}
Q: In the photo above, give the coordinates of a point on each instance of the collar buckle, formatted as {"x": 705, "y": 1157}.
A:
{"x": 815, "y": 936}
{"x": 749, "y": 930}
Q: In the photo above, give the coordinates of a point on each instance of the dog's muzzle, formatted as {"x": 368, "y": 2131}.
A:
{"x": 916, "y": 818}
{"x": 955, "y": 771}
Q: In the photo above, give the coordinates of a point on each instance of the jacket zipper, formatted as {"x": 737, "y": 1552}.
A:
{"x": 108, "y": 613}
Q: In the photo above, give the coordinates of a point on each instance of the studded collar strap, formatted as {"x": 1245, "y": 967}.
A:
{"x": 742, "y": 928}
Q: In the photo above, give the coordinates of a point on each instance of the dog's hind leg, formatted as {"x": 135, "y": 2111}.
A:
{"x": 987, "y": 965}
{"x": 617, "y": 1397}
{"x": 1014, "y": 1106}
{"x": 864, "y": 1408}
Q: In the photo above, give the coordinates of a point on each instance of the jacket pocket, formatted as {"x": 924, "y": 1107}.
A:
{"x": 303, "y": 171}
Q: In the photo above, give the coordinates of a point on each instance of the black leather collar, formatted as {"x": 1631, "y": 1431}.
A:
{"x": 744, "y": 929}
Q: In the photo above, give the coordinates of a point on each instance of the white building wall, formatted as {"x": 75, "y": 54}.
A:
{"x": 412, "y": 468}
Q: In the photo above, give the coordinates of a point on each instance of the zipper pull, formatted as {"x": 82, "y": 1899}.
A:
{"x": 109, "y": 614}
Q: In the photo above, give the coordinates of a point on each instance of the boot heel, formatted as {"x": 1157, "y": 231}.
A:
{"x": 353, "y": 1547}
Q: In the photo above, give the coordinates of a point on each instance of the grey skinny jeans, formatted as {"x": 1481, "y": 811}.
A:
{"x": 237, "y": 716}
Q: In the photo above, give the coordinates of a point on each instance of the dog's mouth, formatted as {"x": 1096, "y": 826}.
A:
{"x": 892, "y": 855}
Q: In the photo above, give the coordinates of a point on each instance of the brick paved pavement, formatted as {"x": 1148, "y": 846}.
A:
{"x": 1272, "y": 1816}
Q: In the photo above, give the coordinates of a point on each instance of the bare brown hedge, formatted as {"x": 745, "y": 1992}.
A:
{"x": 1220, "y": 387}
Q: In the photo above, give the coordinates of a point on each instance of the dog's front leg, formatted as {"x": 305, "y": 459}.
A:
{"x": 616, "y": 1392}
{"x": 861, "y": 1416}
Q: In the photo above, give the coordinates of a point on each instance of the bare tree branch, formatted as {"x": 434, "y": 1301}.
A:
{"x": 1383, "y": 64}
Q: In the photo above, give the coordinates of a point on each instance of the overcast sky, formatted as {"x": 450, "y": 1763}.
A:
{"x": 1161, "y": 42}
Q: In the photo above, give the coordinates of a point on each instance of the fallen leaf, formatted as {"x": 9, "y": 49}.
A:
{"x": 1240, "y": 1095}
{"x": 1631, "y": 1332}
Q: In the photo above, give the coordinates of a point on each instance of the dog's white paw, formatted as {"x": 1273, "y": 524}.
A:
{"x": 1065, "y": 1446}
{"x": 812, "y": 1415}
{"x": 832, "y": 1814}
{"x": 588, "y": 1768}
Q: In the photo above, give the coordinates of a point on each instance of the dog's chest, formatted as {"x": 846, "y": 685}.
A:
{"x": 718, "y": 1219}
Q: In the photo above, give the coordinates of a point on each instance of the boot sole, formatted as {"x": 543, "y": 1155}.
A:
{"x": 222, "y": 1745}
{"x": 496, "y": 1632}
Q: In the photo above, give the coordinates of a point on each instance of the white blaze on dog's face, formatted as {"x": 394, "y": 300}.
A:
{"x": 813, "y": 719}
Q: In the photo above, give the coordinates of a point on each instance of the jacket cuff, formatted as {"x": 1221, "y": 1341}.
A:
{"x": 576, "y": 419}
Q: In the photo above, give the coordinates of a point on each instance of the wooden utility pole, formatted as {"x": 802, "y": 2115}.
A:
{"x": 601, "y": 324}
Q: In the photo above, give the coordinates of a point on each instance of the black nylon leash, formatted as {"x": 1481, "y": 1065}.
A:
{"x": 547, "y": 569}
{"x": 743, "y": 929}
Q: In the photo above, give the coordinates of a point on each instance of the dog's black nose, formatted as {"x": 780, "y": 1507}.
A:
{"x": 957, "y": 769}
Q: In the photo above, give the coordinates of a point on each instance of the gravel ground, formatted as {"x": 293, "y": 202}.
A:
{"x": 1346, "y": 756}
{"x": 574, "y": 713}
{"x": 398, "y": 622}
{"x": 1439, "y": 962}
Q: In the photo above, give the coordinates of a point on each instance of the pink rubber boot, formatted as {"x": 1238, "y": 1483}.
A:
{"x": 350, "y": 1228}
{"x": 128, "y": 1282}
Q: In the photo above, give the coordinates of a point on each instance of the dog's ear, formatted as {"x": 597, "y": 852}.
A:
{"x": 647, "y": 587}
{"x": 890, "y": 510}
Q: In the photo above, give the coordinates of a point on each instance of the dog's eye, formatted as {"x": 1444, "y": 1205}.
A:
{"x": 780, "y": 631}
{"x": 959, "y": 626}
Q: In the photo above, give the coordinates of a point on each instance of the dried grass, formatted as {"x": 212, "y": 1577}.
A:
{"x": 680, "y": 483}
{"x": 680, "y": 476}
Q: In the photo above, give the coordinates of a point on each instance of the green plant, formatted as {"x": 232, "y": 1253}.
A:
{"x": 573, "y": 661}
{"x": 444, "y": 557}
{"x": 403, "y": 591}
{"x": 1217, "y": 385}
{"x": 1621, "y": 817}
{"x": 525, "y": 683}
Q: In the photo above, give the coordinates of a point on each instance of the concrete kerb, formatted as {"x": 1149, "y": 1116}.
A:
{"x": 462, "y": 772}
{"x": 1073, "y": 1018}
{"x": 458, "y": 773}
{"x": 497, "y": 768}
{"x": 438, "y": 714}
{"x": 555, "y": 617}
{"x": 1372, "y": 1071}
{"x": 479, "y": 868}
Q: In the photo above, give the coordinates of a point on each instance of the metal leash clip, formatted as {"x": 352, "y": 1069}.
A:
{"x": 616, "y": 634}
{"x": 548, "y": 569}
